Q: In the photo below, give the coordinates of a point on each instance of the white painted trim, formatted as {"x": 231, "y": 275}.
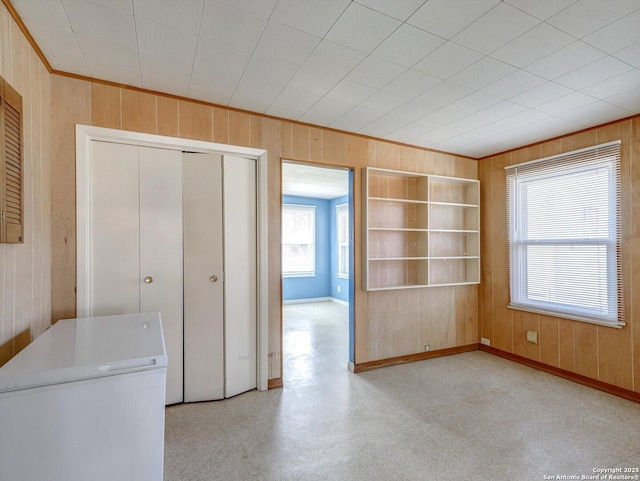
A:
{"x": 351, "y": 366}
{"x": 306, "y": 301}
{"x": 86, "y": 134}
{"x": 340, "y": 301}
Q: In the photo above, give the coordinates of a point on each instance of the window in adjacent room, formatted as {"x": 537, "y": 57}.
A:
{"x": 564, "y": 235}
{"x": 342, "y": 229}
{"x": 298, "y": 240}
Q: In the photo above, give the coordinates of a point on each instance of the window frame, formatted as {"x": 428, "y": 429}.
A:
{"x": 300, "y": 273}
{"x": 598, "y": 158}
{"x": 342, "y": 210}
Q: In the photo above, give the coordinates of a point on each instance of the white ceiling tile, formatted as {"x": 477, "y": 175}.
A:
{"x": 410, "y": 84}
{"x": 541, "y": 94}
{"x": 594, "y": 72}
{"x": 49, "y": 12}
{"x": 417, "y": 108}
{"x": 107, "y": 53}
{"x": 253, "y": 103}
{"x": 165, "y": 67}
{"x": 326, "y": 111}
{"x": 333, "y": 59}
{"x": 607, "y": 88}
{"x": 60, "y": 47}
{"x": 512, "y": 122}
{"x": 514, "y": 84}
{"x": 446, "y": 18}
{"x": 383, "y": 126}
{"x": 442, "y": 94}
{"x": 72, "y": 63}
{"x": 375, "y": 72}
{"x": 350, "y": 92}
{"x": 295, "y": 99}
{"x": 285, "y": 43}
{"x": 448, "y": 60}
{"x": 312, "y": 16}
{"x": 184, "y": 14}
{"x": 595, "y": 114}
{"x": 496, "y": 28}
{"x": 217, "y": 59}
{"x": 270, "y": 70}
{"x": 312, "y": 81}
{"x": 115, "y": 74}
{"x": 124, "y": 6}
{"x": 357, "y": 118}
{"x": 474, "y": 102}
{"x": 408, "y": 132}
{"x": 100, "y": 22}
{"x": 542, "y": 9}
{"x": 167, "y": 41}
{"x": 231, "y": 25}
{"x": 407, "y": 45}
{"x": 565, "y": 60}
{"x": 618, "y": 35}
{"x": 566, "y": 103}
{"x": 361, "y": 28}
{"x": 259, "y": 90}
{"x": 537, "y": 43}
{"x": 631, "y": 55}
{"x": 441, "y": 117}
{"x": 483, "y": 73}
{"x": 262, "y": 8}
{"x": 629, "y": 100}
{"x": 384, "y": 102}
{"x": 285, "y": 112}
{"x": 399, "y": 9}
{"x": 499, "y": 111}
{"x": 215, "y": 96}
{"x": 166, "y": 85}
{"x": 587, "y": 16}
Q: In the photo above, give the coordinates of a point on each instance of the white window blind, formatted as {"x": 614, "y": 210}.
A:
{"x": 342, "y": 218}
{"x": 564, "y": 235}
{"x": 298, "y": 240}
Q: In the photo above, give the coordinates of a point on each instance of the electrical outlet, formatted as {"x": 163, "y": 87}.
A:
{"x": 485, "y": 341}
{"x": 427, "y": 348}
{"x": 338, "y": 288}
{"x": 532, "y": 336}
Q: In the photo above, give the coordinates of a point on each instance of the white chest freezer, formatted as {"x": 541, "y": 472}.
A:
{"x": 85, "y": 402}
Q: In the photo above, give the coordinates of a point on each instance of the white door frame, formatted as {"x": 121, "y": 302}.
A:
{"x": 85, "y": 134}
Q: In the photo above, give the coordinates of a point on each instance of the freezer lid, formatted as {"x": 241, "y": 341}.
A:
{"x": 88, "y": 348}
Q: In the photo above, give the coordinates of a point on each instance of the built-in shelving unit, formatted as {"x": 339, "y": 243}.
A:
{"x": 420, "y": 230}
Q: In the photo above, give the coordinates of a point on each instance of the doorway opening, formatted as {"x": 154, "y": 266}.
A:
{"x": 317, "y": 269}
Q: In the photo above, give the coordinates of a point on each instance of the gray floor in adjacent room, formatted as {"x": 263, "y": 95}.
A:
{"x": 471, "y": 416}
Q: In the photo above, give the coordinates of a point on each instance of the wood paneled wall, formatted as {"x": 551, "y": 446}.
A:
{"x": 603, "y": 353}
{"x": 388, "y": 324}
{"x": 25, "y": 269}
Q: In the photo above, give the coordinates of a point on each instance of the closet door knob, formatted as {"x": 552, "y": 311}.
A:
{"x": 213, "y": 278}
{"x": 148, "y": 280}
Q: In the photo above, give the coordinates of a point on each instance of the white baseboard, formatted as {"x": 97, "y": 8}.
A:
{"x": 351, "y": 366}
{"x": 305, "y": 301}
{"x": 339, "y": 301}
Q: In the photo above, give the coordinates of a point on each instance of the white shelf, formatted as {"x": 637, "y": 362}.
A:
{"x": 424, "y": 230}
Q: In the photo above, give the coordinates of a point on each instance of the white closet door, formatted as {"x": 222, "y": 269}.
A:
{"x": 161, "y": 254}
{"x": 114, "y": 253}
{"x": 203, "y": 278}
{"x": 239, "y": 180}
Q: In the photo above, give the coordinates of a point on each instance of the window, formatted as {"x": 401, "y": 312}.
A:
{"x": 564, "y": 235}
{"x": 298, "y": 240}
{"x": 11, "y": 165}
{"x": 342, "y": 229}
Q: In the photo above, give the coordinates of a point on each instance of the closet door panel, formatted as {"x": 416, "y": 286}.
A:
{"x": 240, "y": 255}
{"x": 114, "y": 257}
{"x": 203, "y": 295}
{"x": 160, "y": 280}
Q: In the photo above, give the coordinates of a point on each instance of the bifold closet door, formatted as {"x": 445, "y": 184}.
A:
{"x": 203, "y": 278}
{"x": 240, "y": 254}
{"x": 135, "y": 241}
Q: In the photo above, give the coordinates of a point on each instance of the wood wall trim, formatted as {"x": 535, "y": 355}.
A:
{"x": 571, "y": 376}
{"x": 25, "y": 31}
{"x": 275, "y": 383}
{"x": 563, "y": 136}
{"x": 420, "y": 356}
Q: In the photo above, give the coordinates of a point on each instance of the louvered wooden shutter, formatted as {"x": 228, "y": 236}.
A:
{"x": 12, "y": 180}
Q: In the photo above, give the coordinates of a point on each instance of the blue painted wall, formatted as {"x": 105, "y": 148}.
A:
{"x": 320, "y": 284}
{"x": 336, "y": 282}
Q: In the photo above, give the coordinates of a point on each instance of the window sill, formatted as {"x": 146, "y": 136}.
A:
{"x": 342, "y": 277}
{"x": 615, "y": 325}
{"x": 290, "y": 276}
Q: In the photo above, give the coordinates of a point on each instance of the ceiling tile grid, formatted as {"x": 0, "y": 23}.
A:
{"x": 470, "y": 77}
